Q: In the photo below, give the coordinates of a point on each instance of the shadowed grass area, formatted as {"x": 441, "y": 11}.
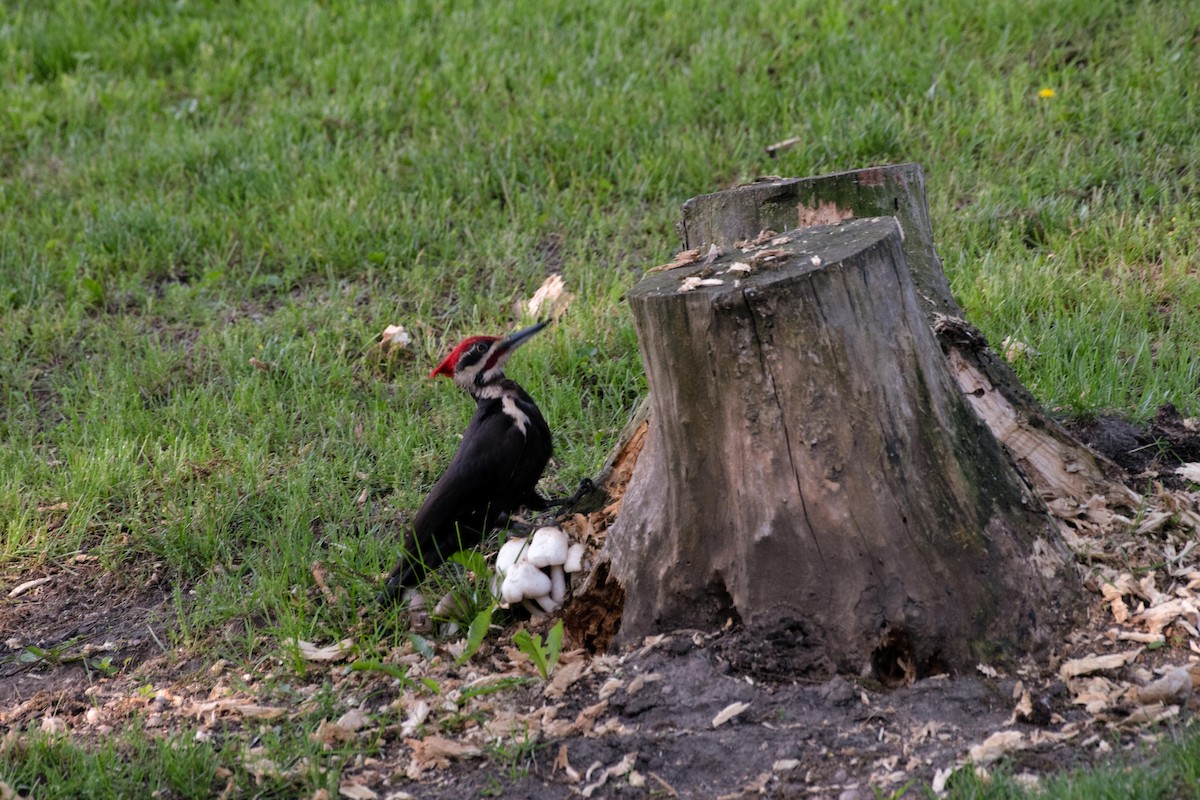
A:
{"x": 185, "y": 186}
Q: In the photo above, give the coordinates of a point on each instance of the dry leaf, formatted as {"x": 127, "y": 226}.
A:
{"x": 338, "y": 651}
{"x": 394, "y": 337}
{"x": 1116, "y": 602}
{"x": 566, "y": 675}
{"x": 550, "y": 299}
{"x": 436, "y": 751}
{"x": 320, "y": 574}
{"x": 330, "y": 734}
{"x": 1014, "y": 350}
{"x": 353, "y": 720}
{"x": 260, "y": 365}
{"x": 729, "y": 712}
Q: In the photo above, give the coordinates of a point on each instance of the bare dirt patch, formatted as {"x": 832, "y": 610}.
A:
{"x": 87, "y": 623}
{"x": 1147, "y": 453}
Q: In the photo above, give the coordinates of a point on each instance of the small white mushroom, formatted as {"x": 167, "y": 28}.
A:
{"x": 574, "y": 562}
{"x": 549, "y": 548}
{"x": 509, "y": 554}
{"x": 526, "y": 582}
{"x": 558, "y": 584}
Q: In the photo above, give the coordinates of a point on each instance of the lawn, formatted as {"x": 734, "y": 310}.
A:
{"x": 210, "y": 211}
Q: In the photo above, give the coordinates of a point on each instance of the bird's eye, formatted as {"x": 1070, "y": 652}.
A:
{"x": 480, "y": 347}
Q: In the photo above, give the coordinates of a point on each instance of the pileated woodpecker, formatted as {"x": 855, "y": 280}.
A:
{"x": 495, "y": 470}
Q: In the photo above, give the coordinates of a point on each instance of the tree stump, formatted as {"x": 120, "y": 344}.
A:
{"x": 1065, "y": 474}
{"x": 810, "y": 454}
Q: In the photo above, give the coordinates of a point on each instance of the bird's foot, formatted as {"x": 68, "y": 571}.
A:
{"x": 586, "y": 487}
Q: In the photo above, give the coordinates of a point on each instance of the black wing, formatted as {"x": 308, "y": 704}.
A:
{"x": 493, "y": 472}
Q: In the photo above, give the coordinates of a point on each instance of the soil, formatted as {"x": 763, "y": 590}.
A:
{"x": 1149, "y": 453}
{"x": 661, "y": 720}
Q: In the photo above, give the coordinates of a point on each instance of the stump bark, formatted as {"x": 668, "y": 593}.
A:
{"x": 810, "y": 454}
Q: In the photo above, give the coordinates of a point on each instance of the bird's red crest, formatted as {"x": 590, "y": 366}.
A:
{"x": 448, "y": 363}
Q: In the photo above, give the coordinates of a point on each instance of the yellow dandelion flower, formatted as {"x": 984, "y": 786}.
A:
{"x": 1046, "y": 93}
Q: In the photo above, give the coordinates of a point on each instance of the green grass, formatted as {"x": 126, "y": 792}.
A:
{"x": 1165, "y": 771}
{"x": 188, "y": 185}
{"x": 128, "y": 765}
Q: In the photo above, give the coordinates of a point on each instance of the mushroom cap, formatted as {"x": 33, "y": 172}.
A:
{"x": 574, "y": 562}
{"x": 523, "y": 581}
{"x": 548, "y": 546}
{"x": 510, "y": 553}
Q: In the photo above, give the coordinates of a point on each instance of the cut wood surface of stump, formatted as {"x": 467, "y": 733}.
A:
{"x": 810, "y": 455}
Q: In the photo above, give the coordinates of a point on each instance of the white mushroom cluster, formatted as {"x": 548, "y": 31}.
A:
{"x": 534, "y": 571}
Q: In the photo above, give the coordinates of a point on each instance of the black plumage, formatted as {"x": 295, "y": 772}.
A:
{"x": 493, "y": 473}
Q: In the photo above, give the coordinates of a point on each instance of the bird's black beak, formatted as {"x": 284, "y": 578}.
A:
{"x": 520, "y": 337}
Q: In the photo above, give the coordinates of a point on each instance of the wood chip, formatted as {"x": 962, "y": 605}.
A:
{"x": 622, "y": 767}
{"x": 996, "y": 745}
{"x": 1173, "y": 688}
{"x": 339, "y": 651}
{"x": 353, "y": 720}
{"x": 729, "y": 712}
{"x": 763, "y": 256}
{"x": 1189, "y": 472}
{"x": 356, "y": 791}
{"x": 772, "y": 149}
{"x": 582, "y": 724}
{"x": 236, "y": 706}
{"x": 561, "y": 762}
{"x": 682, "y": 259}
{"x": 22, "y": 588}
{"x": 637, "y": 684}
{"x": 1076, "y": 667}
{"x": 1163, "y": 614}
